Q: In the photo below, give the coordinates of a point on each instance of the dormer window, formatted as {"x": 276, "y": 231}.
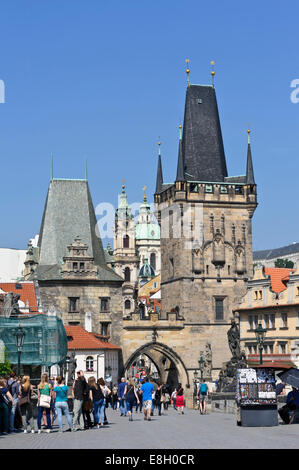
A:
{"x": 82, "y": 266}
{"x": 75, "y": 266}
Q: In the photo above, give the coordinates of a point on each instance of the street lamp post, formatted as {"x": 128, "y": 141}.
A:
{"x": 201, "y": 362}
{"x": 260, "y": 334}
{"x": 20, "y": 336}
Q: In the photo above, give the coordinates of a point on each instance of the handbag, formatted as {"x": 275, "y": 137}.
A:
{"x": 24, "y": 400}
{"x": 87, "y": 405}
{"x": 45, "y": 401}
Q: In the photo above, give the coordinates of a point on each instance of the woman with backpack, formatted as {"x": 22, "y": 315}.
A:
{"x": 25, "y": 404}
{"x": 97, "y": 397}
{"x": 131, "y": 398}
{"x": 44, "y": 390}
{"x": 61, "y": 402}
{"x": 202, "y": 392}
{"x": 180, "y": 399}
{"x": 106, "y": 391}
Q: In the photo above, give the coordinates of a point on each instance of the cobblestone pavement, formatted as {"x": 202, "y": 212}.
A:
{"x": 169, "y": 431}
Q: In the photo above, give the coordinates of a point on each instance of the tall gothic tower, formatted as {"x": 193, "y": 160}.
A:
{"x": 206, "y": 237}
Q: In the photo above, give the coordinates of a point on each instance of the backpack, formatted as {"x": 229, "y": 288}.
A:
{"x": 203, "y": 389}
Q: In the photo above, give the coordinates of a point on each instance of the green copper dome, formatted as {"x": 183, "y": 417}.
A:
{"x": 146, "y": 270}
{"x": 146, "y": 228}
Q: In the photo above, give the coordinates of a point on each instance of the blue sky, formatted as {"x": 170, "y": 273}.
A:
{"x": 103, "y": 80}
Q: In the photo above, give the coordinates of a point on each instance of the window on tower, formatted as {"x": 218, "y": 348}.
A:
{"x": 127, "y": 304}
{"x": 126, "y": 241}
{"x": 153, "y": 261}
{"x": 127, "y": 274}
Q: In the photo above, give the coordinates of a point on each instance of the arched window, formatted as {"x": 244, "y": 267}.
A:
{"x": 127, "y": 304}
{"x": 127, "y": 274}
{"x": 89, "y": 363}
{"x": 153, "y": 260}
{"x": 126, "y": 241}
{"x": 141, "y": 310}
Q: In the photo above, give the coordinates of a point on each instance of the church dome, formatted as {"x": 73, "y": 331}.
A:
{"x": 146, "y": 270}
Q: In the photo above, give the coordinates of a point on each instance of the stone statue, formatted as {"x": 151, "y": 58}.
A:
{"x": 233, "y": 336}
{"x": 72, "y": 367}
{"x": 10, "y": 305}
{"x": 228, "y": 374}
{"x": 207, "y": 371}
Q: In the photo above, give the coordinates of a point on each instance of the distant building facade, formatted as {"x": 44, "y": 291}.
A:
{"x": 268, "y": 257}
{"x": 272, "y": 299}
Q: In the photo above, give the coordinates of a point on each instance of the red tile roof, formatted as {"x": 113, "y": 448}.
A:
{"x": 82, "y": 339}
{"x": 279, "y": 277}
{"x": 26, "y": 292}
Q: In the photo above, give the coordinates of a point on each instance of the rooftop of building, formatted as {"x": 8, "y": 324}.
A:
{"x": 275, "y": 253}
{"x": 25, "y": 289}
{"x": 79, "y": 338}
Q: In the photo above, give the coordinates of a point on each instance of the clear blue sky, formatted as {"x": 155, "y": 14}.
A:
{"x": 104, "y": 80}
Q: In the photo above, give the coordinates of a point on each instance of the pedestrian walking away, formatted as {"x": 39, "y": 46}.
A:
{"x": 25, "y": 394}
{"x": 147, "y": 390}
{"x": 173, "y": 397}
{"x": 98, "y": 399}
{"x": 202, "y": 393}
{"x": 139, "y": 394}
{"x": 121, "y": 397}
{"x": 79, "y": 390}
{"x": 44, "y": 402}
{"x": 107, "y": 392}
{"x": 180, "y": 399}
{"x": 61, "y": 402}
{"x": 131, "y": 398}
{"x": 114, "y": 397}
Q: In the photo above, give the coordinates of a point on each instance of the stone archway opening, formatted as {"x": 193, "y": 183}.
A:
{"x": 167, "y": 364}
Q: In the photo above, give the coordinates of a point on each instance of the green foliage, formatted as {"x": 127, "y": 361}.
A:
{"x": 5, "y": 367}
{"x": 284, "y": 263}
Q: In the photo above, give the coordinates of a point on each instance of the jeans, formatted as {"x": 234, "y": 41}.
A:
{"x": 77, "y": 410}
{"x": 63, "y": 408}
{"x": 12, "y": 414}
{"x": 114, "y": 403}
{"x": 40, "y": 410}
{"x": 130, "y": 405}
{"x": 99, "y": 411}
{"x": 4, "y": 418}
{"x": 26, "y": 412}
{"x": 122, "y": 406}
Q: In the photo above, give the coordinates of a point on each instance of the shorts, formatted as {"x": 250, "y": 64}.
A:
{"x": 147, "y": 404}
{"x": 202, "y": 397}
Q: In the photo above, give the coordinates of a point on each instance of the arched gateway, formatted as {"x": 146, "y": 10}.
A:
{"x": 170, "y": 366}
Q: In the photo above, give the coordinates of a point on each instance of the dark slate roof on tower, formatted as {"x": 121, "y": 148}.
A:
{"x": 203, "y": 151}
{"x": 180, "y": 174}
{"x": 249, "y": 168}
{"x": 159, "y": 179}
{"x": 69, "y": 213}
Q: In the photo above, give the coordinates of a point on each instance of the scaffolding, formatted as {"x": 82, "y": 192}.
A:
{"x": 45, "y": 342}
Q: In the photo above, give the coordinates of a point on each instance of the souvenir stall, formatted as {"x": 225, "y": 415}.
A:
{"x": 256, "y": 397}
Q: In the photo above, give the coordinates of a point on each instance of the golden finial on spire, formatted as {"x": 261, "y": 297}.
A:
{"x": 180, "y": 127}
{"x": 248, "y": 132}
{"x": 187, "y": 71}
{"x": 159, "y": 143}
{"x": 123, "y": 184}
{"x": 213, "y": 71}
{"x": 144, "y": 196}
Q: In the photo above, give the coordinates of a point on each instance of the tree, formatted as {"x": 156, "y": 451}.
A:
{"x": 284, "y": 263}
{"x": 5, "y": 367}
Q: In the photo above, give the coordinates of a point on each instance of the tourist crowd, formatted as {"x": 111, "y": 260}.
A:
{"x": 90, "y": 400}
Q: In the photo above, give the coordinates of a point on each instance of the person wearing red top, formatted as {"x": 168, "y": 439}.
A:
{"x": 180, "y": 399}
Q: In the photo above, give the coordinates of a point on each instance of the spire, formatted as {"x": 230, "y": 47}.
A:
{"x": 159, "y": 180}
{"x": 187, "y": 71}
{"x": 180, "y": 174}
{"x": 249, "y": 167}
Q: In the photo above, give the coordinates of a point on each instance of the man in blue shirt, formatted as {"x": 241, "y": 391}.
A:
{"x": 122, "y": 388}
{"x": 147, "y": 390}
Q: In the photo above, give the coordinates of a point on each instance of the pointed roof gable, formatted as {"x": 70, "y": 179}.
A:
{"x": 202, "y": 145}
{"x": 69, "y": 213}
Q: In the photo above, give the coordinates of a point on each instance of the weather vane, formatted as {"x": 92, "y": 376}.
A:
{"x": 213, "y": 72}
{"x": 187, "y": 71}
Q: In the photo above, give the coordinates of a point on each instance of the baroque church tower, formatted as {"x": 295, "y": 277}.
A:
{"x": 126, "y": 260}
{"x": 206, "y": 235}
